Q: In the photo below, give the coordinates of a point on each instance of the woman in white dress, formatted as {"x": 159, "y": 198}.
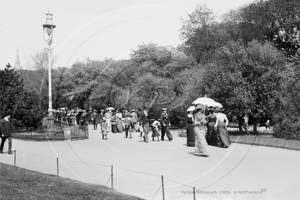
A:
{"x": 201, "y": 146}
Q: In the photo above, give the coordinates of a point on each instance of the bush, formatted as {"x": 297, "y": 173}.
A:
{"x": 288, "y": 128}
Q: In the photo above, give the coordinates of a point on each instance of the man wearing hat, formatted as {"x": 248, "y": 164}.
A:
{"x": 90, "y": 116}
{"x": 165, "y": 120}
{"x": 6, "y": 132}
{"x": 144, "y": 123}
{"x": 134, "y": 119}
{"x": 95, "y": 119}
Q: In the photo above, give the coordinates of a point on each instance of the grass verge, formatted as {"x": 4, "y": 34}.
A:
{"x": 17, "y": 183}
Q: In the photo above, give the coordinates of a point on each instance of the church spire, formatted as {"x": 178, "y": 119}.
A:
{"x": 17, "y": 60}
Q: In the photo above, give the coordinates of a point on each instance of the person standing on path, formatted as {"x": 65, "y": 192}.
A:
{"x": 165, "y": 121}
{"x": 155, "y": 126}
{"x": 95, "y": 118}
{"x": 101, "y": 115}
{"x": 128, "y": 126}
{"x": 134, "y": 120}
{"x": 90, "y": 116}
{"x": 6, "y": 132}
{"x": 144, "y": 123}
{"x": 190, "y": 135}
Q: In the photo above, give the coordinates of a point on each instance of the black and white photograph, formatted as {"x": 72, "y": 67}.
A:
{"x": 149, "y": 99}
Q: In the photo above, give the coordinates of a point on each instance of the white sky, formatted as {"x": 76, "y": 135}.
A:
{"x": 96, "y": 29}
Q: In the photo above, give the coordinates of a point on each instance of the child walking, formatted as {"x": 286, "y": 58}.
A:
{"x": 155, "y": 126}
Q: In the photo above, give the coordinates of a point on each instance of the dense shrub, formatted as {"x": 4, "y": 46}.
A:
{"x": 288, "y": 128}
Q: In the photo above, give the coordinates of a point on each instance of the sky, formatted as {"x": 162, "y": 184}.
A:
{"x": 94, "y": 29}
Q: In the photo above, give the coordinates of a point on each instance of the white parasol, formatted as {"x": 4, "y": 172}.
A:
{"x": 191, "y": 109}
{"x": 216, "y": 104}
{"x": 204, "y": 101}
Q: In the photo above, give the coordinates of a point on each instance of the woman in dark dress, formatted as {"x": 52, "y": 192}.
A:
{"x": 212, "y": 134}
{"x": 114, "y": 128}
{"x": 190, "y": 135}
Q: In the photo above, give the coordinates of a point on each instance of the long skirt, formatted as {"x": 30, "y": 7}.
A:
{"x": 201, "y": 146}
{"x": 190, "y": 136}
{"x": 225, "y": 140}
{"x": 212, "y": 135}
{"x": 155, "y": 132}
{"x": 104, "y": 128}
{"x": 120, "y": 125}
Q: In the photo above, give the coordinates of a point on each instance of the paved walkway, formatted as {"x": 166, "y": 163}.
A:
{"x": 240, "y": 172}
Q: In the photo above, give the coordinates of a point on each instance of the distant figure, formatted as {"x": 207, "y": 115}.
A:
{"x": 144, "y": 123}
{"x": 89, "y": 116}
{"x": 128, "y": 126}
{"x": 165, "y": 121}
{"x": 190, "y": 135}
{"x": 105, "y": 123}
{"x": 155, "y": 132}
{"x": 108, "y": 117}
{"x": 119, "y": 121}
{"x": 95, "y": 119}
{"x": 134, "y": 120}
{"x": 101, "y": 115}
{"x": 6, "y": 132}
{"x": 246, "y": 120}
{"x": 267, "y": 125}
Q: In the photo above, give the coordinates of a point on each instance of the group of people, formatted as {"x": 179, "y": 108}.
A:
{"x": 118, "y": 120}
{"x": 207, "y": 127}
{"x": 115, "y": 121}
{"x": 204, "y": 126}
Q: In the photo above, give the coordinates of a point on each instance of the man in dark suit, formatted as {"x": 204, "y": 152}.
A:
{"x": 144, "y": 123}
{"x": 165, "y": 122}
{"x": 6, "y": 132}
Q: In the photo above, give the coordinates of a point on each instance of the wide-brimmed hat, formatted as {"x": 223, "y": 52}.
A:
{"x": 5, "y": 114}
{"x": 132, "y": 110}
{"x": 199, "y": 106}
{"x": 164, "y": 109}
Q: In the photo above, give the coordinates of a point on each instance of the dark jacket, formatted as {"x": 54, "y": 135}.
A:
{"x": 164, "y": 118}
{"x": 5, "y": 128}
{"x": 144, "y": 119}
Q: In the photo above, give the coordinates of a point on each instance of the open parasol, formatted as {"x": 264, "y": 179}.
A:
{"x": 204, "y": 101}
{"x": 191, "y": 109}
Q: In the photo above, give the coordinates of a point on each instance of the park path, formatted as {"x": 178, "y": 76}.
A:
{"x": 241, "y": 172}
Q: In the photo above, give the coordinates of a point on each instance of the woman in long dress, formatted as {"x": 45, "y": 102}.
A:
{"x": 105, "y": 123}
{"x": 221, "y": 125}
{"x": 119, "y": 120}
{"x": 201, "y": 146}
{"x": 190, "y": 136}
{"x": 212, "y": 134}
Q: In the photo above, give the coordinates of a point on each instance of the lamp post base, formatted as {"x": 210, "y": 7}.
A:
{"x": 50, "y": 130}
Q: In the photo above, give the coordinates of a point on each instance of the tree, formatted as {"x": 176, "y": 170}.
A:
{"x": 201, "y": 34}
{"x": 15, "y": 98}
{"x": 246, "y": 79}
{"x": 273, "y": 21}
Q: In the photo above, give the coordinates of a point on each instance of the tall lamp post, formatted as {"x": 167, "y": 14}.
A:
{"x": 48, "y": 37}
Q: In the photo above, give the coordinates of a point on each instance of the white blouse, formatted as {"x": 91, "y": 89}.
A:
{"x": 221, "y": 117}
